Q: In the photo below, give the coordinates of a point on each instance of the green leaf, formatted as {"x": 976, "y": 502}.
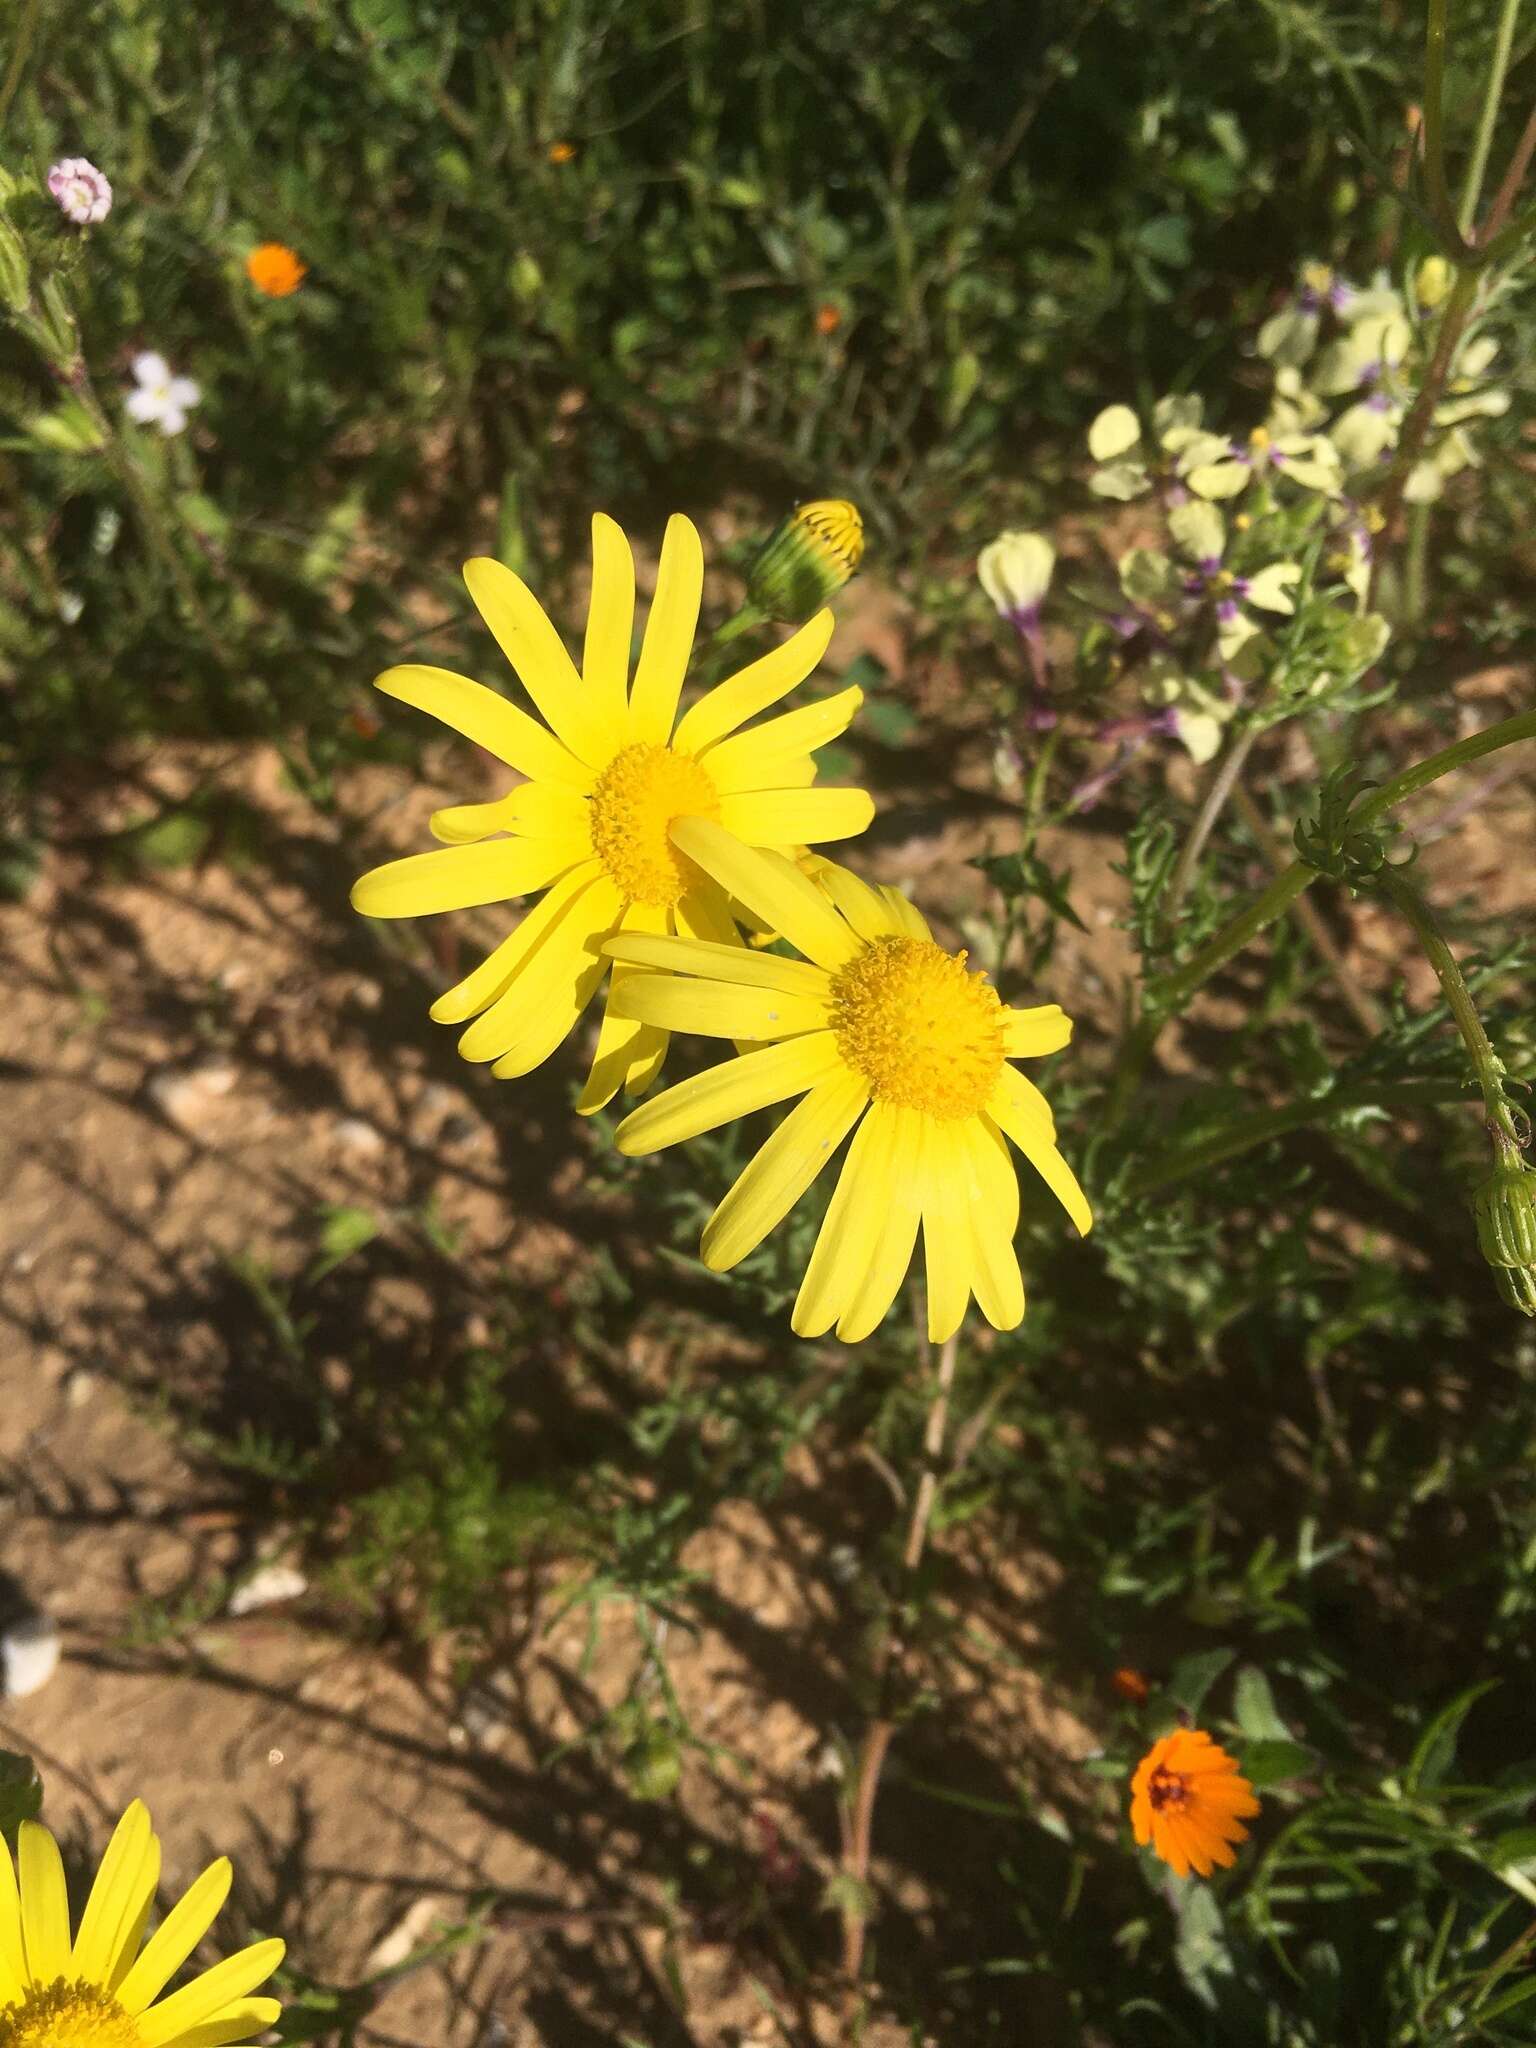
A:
{"x": 1025, "y": 874}
{"x": 1192, "y": 1678}
{"x": 1436, "y": 1751}
{"x": 1253, "y": 1705}
{"x": 21, "y": 1792}
{"x": 343, "y": 1231}
{"x": 1274, "y": 1763}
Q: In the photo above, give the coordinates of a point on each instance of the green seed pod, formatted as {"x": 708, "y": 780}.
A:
{"x": 1505, "y": 1211}
{"x": 807, "y": 557}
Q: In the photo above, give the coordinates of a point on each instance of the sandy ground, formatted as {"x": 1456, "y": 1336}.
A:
{"x": 195, "y": 1060}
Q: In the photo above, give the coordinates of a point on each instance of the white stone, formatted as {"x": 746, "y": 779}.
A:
{"x": 359, "y": 1136}
{"x": 29, "y": 1655}
{"x": 183, "y": 1094}
{"x": 266, "y": 1586}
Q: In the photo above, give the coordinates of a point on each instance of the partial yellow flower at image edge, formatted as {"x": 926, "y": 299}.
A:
{"x": 103, "y": 1989}
{"x": 879, "y": 1032}
{"x": 609, "y": 771}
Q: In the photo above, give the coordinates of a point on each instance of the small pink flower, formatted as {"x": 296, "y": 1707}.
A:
{"x": 82, "y": 192}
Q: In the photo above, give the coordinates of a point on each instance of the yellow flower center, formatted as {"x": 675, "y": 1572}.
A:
{"x": 636, "y": 798}
{"x": 1258, "y": 440}
{"x": 68, "y": 2014}
{"x": 923, "y": 1031}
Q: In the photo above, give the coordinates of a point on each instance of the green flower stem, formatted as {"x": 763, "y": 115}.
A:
{"x": 1167, "y": 997}
{"x": 1214, "y": 802}
{"x": 1477, "y": 169}
{"x": 161, "y": 541}
{"x": 1416, "y": 565}
{"x": 858, "y": 1817}
{"x": 739, "y": 622}
{"x": 1437, "y": 191}
{"x": 1489, "y": 1067}
{"x": 1275, "y": 1123}
{"x": 1034, "y": 793}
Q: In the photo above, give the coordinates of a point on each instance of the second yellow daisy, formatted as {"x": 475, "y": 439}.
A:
{"x": 877, "y": 1028}
{"x": 609, "y": 773}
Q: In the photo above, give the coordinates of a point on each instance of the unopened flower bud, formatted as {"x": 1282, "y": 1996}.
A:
{"x": 1015, "y": 572}
{"x": 808, "y": 556}
{"x": 1433, "y": 282}
{"x": 15, "y": 290}
{"x": 1505, "y": 1211}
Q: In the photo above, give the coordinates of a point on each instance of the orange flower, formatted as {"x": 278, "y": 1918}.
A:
{"x": 561, "y": 152}
{"x": 1189, "y": 1800}
{"x": 828, "y": 319}
{"x": 1131, "y": 1685}
{"x": 275, "y": 270}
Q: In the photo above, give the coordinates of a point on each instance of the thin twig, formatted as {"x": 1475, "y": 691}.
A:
{"x": 1509, "y": 191}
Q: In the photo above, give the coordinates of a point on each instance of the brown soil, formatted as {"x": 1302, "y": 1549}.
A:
{"x": 196, "y": 1060}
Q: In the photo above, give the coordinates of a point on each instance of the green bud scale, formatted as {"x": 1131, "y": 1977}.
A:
{"x": 806, "y": 558}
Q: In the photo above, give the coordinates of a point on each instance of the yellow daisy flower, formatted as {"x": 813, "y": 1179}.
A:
{"x": 877, "y": 1027}
{"x": 103, "y": 1989}
{"x": 610, "y": 770}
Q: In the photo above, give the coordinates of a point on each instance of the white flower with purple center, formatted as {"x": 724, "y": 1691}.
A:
{"x": 1310, "y": 460}
{"x": 162, "y": 399}
{"x": 1200, "y": 533}
{"x": 1367, "y": 361}
{"x": 1130, "y": 463}
{"x": 84, "y": 195}
{"x": 1015, "y": 572}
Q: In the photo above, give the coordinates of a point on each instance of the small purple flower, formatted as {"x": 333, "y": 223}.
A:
{"x": 84, "y": 195}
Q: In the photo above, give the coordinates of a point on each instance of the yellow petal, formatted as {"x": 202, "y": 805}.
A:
{"x": 908, "y": 918}
{"x": 772, "y": 888}
{"x": 553, "y": 1021}
{"x": 487, "y": 719}
{"x": 742, "y": 965}
{"x": 13, "y": 1954}
{"x": 548, "y": 977}
{"x": 733, "y": 1089}
{"x": 1040, "y": 1151}
{"x": 704, "y": 913}
{"x": 207, "y": 1996}
{"x": 717, "y": 1009}
{"x": 625, "y": 1047}
{"x": 534, "y": 810}
{"x": 754, "y": 688}
{"x": 536, "y": 651}
{"x": 769, "y": 1186}
{"x": 1029, "y": 1033}
{"x": 946, "y": 1228}
{"x": 796, "y": 817}
{"x": 243, "y": 2020}
{"x": 1029, "y": 1106}
{"x": 483, "y": 984}
{"x": 747, "y": 761}
{"x": 130, "y": 1934}
{"x": 176, "y": 1937}
{"x": 669, "y": 632}
{"x": 116, "y": 1895}
{"x": 460, "y": 877}
{"x": 865, "y": 908}
{"x": 995, "y": 1274}
{"x": 850, "y": 1230}
{"x": 44, "y": 1903}
{"x": 903, "y": 1161}
{"x": 610, "y": 622}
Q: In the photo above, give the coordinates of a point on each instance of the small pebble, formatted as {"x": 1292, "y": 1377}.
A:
{"x": 183, "y": 1094}
{"x": 79, "y": 1386}
{"x": 359, "y": 1136}
{"x": 29, "y": 1655}
{"x": 265, "y": 1587}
